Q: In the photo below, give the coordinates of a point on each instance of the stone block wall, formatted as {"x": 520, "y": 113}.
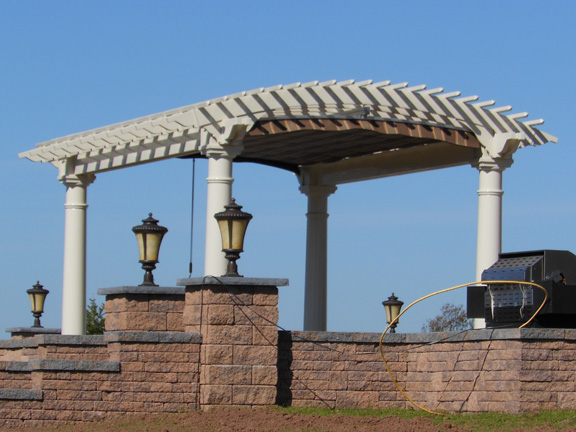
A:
{"x": 238, "y": 323}
{"x": 55, "y": 379}
{"x": 510, "y": 370}
{"x": 144, "y": 308}
{"x": 219, "y": 345}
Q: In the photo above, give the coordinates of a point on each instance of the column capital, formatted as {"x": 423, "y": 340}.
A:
{"x": 318, "y": 190}
{"x": 73, "y": 180}
{"x": 488, "y": 163}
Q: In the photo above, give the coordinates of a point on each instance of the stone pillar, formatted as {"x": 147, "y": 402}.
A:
{"x": 315, "y": 296}
{"x": 74, "y": 280}
{"x": 489, "y": 240}
{"x": 219, "y": 194}
{"x": 237, "y": 318}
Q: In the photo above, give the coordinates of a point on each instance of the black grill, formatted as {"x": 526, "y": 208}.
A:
{"x": 510, "y": 305}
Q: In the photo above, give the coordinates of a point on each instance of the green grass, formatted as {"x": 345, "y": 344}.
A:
{"x": 480, "y": 422}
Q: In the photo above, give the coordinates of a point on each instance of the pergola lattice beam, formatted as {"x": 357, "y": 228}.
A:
{"x": 179, "y": 132}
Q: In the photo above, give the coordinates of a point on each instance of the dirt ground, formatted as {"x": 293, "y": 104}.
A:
{"x": 265, "y": 420}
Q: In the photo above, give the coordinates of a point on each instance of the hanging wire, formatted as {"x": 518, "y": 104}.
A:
{"x": 192, "y": 217}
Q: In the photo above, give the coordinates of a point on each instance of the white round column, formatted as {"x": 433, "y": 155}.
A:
{"x": 74, "y": 278}
{"x": 316, "y": 282}
{"x": 490, "y": 192}
{"x": 219, "y": 194}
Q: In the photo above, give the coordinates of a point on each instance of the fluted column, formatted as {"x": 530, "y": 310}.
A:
{"x": 489, "y": 240}
{"x": 315, "y": 296}
{"x": 74, "y": 278}
{"x": 219, "y": 194}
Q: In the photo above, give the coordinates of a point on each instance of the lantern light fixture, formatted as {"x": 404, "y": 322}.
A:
{"x": 232, "y": 223}
{"x": 392, "y": 306}
{"x": 149, "y": 236}
{"x": 37, "y": 296}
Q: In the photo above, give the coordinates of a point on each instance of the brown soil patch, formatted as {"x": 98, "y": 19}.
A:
{"x": 264, "y": 420}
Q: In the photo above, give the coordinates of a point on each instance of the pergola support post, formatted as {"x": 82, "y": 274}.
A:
{"x": 219, "y": 193}
{"x": 74, "y": 278}
{"x": 490, "y": 192}
{"x": 316, "y": 282}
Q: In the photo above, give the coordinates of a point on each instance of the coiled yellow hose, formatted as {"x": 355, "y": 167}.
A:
{"x": 395, "y": 320}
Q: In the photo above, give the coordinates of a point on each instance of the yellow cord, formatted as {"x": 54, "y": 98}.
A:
{"x": 395, "y": 320}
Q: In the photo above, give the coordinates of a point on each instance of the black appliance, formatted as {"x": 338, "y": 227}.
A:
{"x": 511, "y": 305}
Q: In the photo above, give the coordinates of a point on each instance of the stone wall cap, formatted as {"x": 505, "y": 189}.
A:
{"x": 32, "y": 330}
{"x": 94, "y": 340}
{"x": 511, "y": 334}
{"x": 149, "y": 290}
{"x": 14, "y": 366}
{"x": 153, "y": 337}
{"x": 74, "y": 365}
{"x": 18, "y": 343}
{"x": 232, "y": 281}
{"x": 21, "y": 394}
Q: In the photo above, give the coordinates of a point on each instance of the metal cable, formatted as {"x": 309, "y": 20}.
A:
{"x": 395, "y": 320}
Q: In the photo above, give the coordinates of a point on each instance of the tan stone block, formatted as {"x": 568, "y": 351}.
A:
{"x": 226, "y": 295}
{"x": 227, "y": 374}
{"x": 175, "y": 322}
{"x": 265, "y": 335}
{"x": 192, "y": 315}
{"x": 193, "y": 296}
{"x": 256, "y": 315}
{"x": 216, "y": 394}
{"x": 149, "y": 321}
{"x": 233, "y": 335}
{"x": 254, "y": 395}
{"x": 167, "y": 304}
{"x": 217, "y": 354}
{"x": 264, "y": 375}
{"x": 254, "y": 355}
{"x": 219, "y": 315}
{"x": 267, "y": 297}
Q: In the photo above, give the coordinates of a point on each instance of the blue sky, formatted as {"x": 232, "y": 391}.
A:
{"x": 67, "y": 67}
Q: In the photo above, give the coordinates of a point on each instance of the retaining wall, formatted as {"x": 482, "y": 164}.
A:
{"x": 215, "y": 343}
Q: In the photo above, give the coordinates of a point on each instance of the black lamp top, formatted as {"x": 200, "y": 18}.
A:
{"x": 37, "y": 289}
{"x": 150, "y": 225}
{"x": 233, "y": 212}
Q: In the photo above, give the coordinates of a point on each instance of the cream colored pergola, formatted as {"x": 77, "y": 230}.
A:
{"x": 327, "y": 133}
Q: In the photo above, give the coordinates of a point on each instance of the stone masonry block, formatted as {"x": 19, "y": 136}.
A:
{"x": 166, "y": 304}
{"x": 174, "y": 322}
{"x": 256, "y": 315}
{"x": 265, "y": 335}
{"x": 216, "y": 394}
{"x": 254, "y": 355}
{"x": 192, "y": 314}
{"x": 226, "y": 295}
{"x": 265, "y": 296}
{"x": 264, "y": 375}
{"x": 150, "y": 321}
{"x": 254, "y": 395}
{"x": 227, "y": 374}
{"x": 220, "y": 315}
{"x": 126, "y": 303}
{"x": 232, "y": 335}
{"x": 217, "y": 354}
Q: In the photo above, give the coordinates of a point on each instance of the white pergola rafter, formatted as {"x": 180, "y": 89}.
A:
{"x": 179, "y": 132}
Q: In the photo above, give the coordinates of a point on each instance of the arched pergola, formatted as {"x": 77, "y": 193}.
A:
{"x": 327, "y": 133}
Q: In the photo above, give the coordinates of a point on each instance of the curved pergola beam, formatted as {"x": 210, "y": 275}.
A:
{"x": 186, "y": 131}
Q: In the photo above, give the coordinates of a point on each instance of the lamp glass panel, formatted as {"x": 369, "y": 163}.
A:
{"x": 225, "y": 233}
{"x": 37, "y": 302}
{"x": 388, "y": 313}
{"x": 141, "y": 249}
{"x": 153, "y": 241}
{"x": 238, "y": 231}
{"x": 395, "y": 311}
